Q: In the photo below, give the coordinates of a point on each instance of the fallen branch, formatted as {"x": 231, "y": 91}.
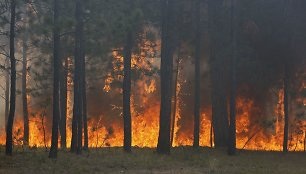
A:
{"x": 251, "y": 137}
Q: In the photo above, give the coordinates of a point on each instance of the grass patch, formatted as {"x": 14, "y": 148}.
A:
{"x": 145, "y": 160}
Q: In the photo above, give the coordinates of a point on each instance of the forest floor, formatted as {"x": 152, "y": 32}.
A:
{"x": 183, "y": 160}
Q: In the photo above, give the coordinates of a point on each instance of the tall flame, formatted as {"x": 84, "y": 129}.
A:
{"x": 145, "y": 109}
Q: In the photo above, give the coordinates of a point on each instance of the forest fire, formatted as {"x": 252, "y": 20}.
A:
{"x": 148, "y": 86}
{"x": 145, "y": 131}
{"x": 251, "y": 134}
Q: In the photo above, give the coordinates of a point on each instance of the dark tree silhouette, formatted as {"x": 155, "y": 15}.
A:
{"x": 63, "y": 102}
{"x": 79, "y": 60}
{"x": 286, "y": 76}
{"x": 232, "y": 126}
{"x": 286, "y": 109}
{"x": 176, "y": 76}
{"x": 163, "y": 146}
{"x": 127, "y": 92}
{"x": 7, "y": 91}
{"x": 218, "y": 72}
{"x": 76, "y": 111}
{"x": 84, "y": 100}
{"x": 10, "y": 121}
{"x": 197, "y": 77}
{"x": 56, "y": 66}
{"x": 24, "y": 84}
{"x": 77, "y": 137}
{"x": 73, "y": 146}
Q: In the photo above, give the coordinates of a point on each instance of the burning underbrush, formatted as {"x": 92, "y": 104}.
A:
{"x": 255, "y": 130}
{"x": 252, "y": 134}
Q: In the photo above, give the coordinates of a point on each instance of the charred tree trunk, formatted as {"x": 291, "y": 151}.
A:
{"x": 218, "y": 74}
{"x": 80, "y": 128}
{"x": 74, "y": 136}
{"x": 232, "y": 127}
{"x": 77, "y": 125}
{"x": 56, "y": 67}
{"x": 7, "y": 92}
{"x": 76, "y": 84}
{"x": 76, "y": 107}
{"x": 76, "y": 141}
{"x": 287, "y": 7}
{"x": 80, "y": 47}
{"x": 84, "y": 100}
{"x": 63, "y": 102}
{"x": 42, "y": 118}
{"x": 24, "y": 91}
{"x": 197, "y": 77}
{"x": 219, "y": 111}
{"x": 127, "y": 93}
{"x": 10, "y": 122}
{"x": 175, "y": 96}
{"x": 286, "y": 109}
{"x": 163, "y": 146}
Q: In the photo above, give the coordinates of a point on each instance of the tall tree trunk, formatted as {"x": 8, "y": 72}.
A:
{"x": 10, "y": 122}
{"x": 74, "y": 136}
{"x": 286, "y": 79}
{"x": 24, "y": 91}
{"x": 163, "y": 146}
{"x": 127, "y": 143}
{"x": 218, "y": 74}
{"x": 286, "y": 108}
{"x": 56, "y": 67}
{"x": 80, "y": 49}
{"x": 7, "y": 91}
{"x": 84, "y": 106}
{"x": 83, "y": 83}
{"x": 197, "y": 78}
{"x": 63, "y": 102}
{"x": 77, "y": 126}
{"x": 80, "y": 128}
{"x": 175, "y": 96}
{"x": 232, "y": 127}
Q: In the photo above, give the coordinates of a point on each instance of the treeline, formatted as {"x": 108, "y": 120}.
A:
{"x": 254, "y": 42}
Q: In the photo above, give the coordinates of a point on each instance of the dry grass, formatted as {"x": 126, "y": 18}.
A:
{"x": 181, "y": 160}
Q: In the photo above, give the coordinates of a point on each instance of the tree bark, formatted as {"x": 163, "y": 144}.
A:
{"x": 63, "y": 102}
{"x": 77, "y": 126}
{"x": 10, "y": 122}
{"x": 127, "y": 143}
{"x": 163, "y": 146}
{"x": 24, "y": 85}
{"x": 287, "y": 72}
{"x": 175, "y": 96}
{"x": 83, "y": 94}
{"x": 56, "y": 66}
{"x": 197, "y": 77}
{"x": 7, "y": 92}
{"x": 74, "y": 136}
{"x": 84, "y": 100}
{"x": 218, "y": 74}
{"x": 232, "y": 127}
{"x": 286, "y": 109}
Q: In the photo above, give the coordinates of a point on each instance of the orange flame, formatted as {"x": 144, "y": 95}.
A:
{"x": 145, "y": 124}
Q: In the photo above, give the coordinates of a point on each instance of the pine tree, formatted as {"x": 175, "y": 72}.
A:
{"x": 56, "y": 66}
{"x": 10, "y": 121}
{"x": 232, "y": 126}
{"x": 197, "y": 78}
{"x": 163, "y": 146}
{"x": 24, "y": 82}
